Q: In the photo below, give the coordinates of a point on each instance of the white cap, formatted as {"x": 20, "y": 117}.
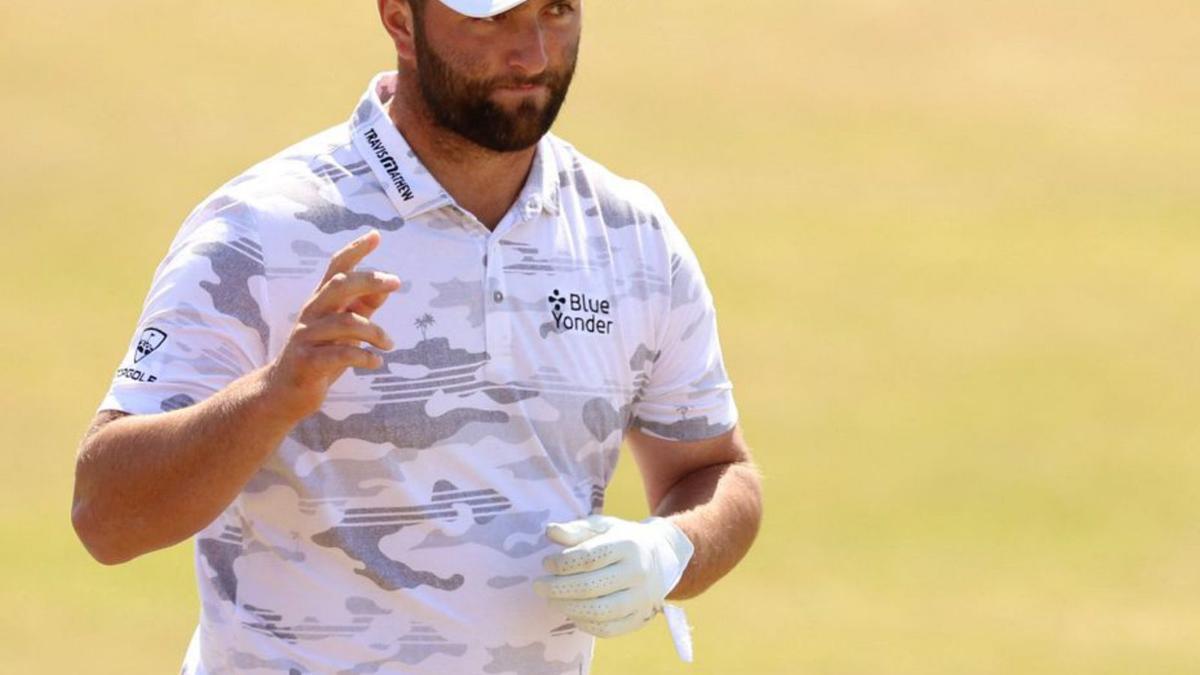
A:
{"x": 481, "y": 8}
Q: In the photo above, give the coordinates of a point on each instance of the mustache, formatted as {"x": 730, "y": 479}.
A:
{"x": 545, "y": 79}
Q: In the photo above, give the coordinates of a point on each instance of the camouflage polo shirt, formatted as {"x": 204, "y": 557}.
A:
{"x": 398, "y": 529}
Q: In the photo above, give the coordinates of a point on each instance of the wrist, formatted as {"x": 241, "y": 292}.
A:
{"x": 675, "y": 550}
{"x": 269, "y": 398}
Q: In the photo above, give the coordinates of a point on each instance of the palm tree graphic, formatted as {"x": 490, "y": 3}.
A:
{"x": 423, "y": 323}
{"x": 683, "y": 411}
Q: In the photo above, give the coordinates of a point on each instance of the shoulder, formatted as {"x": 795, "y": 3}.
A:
{"x": 614, "y": 201}
{"x": 624, "y": 209}
{"x": 281, "y": 186}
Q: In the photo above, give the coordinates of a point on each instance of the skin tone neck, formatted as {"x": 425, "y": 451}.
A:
{"x": 483, "y": 182}
{"x": 521, "y": 43}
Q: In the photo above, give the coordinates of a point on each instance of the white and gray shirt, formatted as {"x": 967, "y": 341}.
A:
{"x": 398, "y": 529}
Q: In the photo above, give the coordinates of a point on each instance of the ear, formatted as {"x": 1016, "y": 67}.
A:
{"x": 397, "y": 18}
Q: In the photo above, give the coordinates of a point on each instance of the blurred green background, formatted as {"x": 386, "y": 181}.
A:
{"x": 954, "y": 245}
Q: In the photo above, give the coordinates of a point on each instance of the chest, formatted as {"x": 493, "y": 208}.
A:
{"x": 545, "y": 309}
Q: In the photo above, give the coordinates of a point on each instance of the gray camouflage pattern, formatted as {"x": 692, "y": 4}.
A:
{"x": 398, "y": 529}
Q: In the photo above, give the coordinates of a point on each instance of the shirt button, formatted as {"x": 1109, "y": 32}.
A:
{"x": 532, "y": 207}
{"x": 498, "y": 296}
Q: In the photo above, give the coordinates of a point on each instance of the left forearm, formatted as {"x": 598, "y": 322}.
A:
{"x": 719, "y": 508}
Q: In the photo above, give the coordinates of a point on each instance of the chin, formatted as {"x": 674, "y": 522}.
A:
{"x": 525, "y": 144}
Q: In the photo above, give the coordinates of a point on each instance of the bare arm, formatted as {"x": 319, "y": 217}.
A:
{"x": 712, "y": 491}
{"x": 144, "y": 482}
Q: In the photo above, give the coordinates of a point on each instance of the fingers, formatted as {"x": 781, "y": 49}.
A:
{"x": 345, "y": 328}
{"x": 367, "y": 304}
{"x": 570, "y": 534}
{"x": 343, "y": 289}
{"x": 600, "y": 580}
{"x": 331, "y": 330}
{"x": 584, "y": 586}
{"x": 335, "y": 358}
{"x": 617, "y": 627}
{"x": 612, "y": 607}
{"x": 587, "y": 557}
{"x": 351, "y": 255}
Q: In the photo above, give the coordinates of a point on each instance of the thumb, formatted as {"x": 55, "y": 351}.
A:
{"x": 574, "y": 532}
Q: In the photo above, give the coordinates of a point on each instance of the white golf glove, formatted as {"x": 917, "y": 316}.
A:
{"x": 614, "y": 575}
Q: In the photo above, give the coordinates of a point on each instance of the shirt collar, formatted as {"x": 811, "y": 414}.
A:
{"x": 408, "y": 184}
{"x": 540, "y": 192}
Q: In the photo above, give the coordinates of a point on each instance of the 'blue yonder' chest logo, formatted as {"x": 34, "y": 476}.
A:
{"x": 578, "y": 312}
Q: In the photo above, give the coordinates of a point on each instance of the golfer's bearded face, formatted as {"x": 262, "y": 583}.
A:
{"x": 492, "y": 111}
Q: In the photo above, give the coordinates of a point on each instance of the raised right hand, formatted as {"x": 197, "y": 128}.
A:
{"x": 330, "y": 331}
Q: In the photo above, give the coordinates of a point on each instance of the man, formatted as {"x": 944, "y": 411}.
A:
{"x": 413, "y": 483}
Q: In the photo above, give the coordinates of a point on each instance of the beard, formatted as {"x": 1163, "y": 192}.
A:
{"x": 462, "y": 105}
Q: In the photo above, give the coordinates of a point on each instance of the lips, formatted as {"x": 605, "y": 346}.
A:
{"x": 523, "y": 87}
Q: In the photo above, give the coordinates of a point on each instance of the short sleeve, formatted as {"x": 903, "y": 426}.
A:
{"x": 688, "y": 395}
{"x": 203, "y": 324}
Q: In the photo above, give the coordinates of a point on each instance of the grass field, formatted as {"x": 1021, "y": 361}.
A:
{"x": 954, "y": 245}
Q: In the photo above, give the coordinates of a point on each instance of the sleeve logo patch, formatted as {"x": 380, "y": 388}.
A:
{"x": 151, "y": 339}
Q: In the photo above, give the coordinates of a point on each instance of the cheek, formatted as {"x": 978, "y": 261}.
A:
{"x": 481, "y": 68}
{"x": 463, "y": 64}
{"x": 564, "y": 48}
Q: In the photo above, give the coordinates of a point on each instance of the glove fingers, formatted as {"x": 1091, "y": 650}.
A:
{"x": 607, "y": 629}
{"x": 585, "y": 585}
{"x": 611, "y": 607}
{"x": 570, "y": 534}
{"x": 586, "y": 557}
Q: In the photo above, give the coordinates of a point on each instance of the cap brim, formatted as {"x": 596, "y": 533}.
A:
{"x": 481, "y": 8}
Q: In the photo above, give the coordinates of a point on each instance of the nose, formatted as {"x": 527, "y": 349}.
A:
{"x": 527, "y": 54}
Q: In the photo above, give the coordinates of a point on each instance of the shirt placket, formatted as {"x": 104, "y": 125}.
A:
{"x": 497, "y": 313}
{"x": 499, "y": 310}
